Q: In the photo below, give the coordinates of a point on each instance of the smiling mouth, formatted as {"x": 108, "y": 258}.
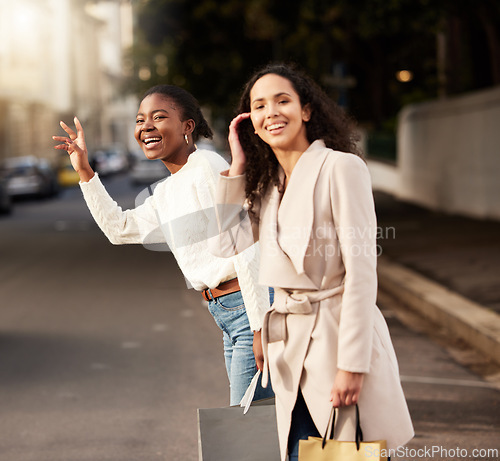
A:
{"x": 275, "y": 126}
{"x": 150, "y": 142}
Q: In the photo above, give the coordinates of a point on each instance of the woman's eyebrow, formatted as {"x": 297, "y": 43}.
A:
{"x": 277, "y": 95}
{"x": 153, "y": 112}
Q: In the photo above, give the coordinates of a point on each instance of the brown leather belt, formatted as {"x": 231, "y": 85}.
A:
{"x": 224, "y": 288}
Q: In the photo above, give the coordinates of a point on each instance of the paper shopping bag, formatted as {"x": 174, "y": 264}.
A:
{"x": 328, "y": 449}
{"x": 227, "y": 434}
{"x": 312, "y": 450}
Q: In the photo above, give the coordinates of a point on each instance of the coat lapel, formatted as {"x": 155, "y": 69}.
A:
{"x": 289, "y": 221}
{"x": 276, "y": 268}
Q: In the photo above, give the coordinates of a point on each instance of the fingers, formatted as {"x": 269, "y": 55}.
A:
{"x": 340, "y": 398}
{"x": 335, "y": 399}
{"x": 257, "y": 350}
{"x": 343, "y": 400}
{"x": 72, "y": 135}
{"x": 75, "y": 142}
{"x": 65, "y": 142}
{"x": 79, "y": 128}
{"x": 67, "y": 145}
{"x": 259, "y": 359}
{"x": 60, "y": 138}
{"x": 346, "y": 388}
{"x": 238, "y": 119}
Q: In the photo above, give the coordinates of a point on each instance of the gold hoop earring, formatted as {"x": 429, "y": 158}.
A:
{"x": 186, "y": 138}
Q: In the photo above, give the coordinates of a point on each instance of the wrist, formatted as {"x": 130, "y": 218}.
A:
{"x": 237, "y": 169}
{"x": 86, "y": 174}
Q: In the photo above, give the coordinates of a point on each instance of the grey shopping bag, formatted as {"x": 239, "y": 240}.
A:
{"x": 226, "y": 434}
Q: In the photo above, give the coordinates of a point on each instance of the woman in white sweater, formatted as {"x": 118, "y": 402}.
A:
{"x": 168, "y": 123}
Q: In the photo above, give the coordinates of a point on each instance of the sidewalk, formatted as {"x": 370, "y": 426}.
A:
{"x": 439, "y": 277}
{"x": 455, "y": 413}
{"x": 446, "y": 268}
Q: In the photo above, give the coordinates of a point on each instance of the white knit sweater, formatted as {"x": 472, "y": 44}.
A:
{"x": 178, "y": 213}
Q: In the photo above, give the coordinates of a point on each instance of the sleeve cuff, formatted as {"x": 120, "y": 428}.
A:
{"x": 231, "y": 189}
{"x": 91, "y": 180}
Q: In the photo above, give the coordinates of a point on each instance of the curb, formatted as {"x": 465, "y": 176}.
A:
{"x": 459, "y": 316}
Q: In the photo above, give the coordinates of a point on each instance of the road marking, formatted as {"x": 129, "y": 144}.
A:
{"x": 446, "y": 381}
{"x": 131, "y": 345}
{"x": 99, "y": 366}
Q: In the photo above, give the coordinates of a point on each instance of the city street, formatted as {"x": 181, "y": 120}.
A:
{"x": 106, "y": 355}
{"x": 104, "y": 352}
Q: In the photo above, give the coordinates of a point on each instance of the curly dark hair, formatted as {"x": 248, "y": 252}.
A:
{"x": 328, "y": 122}
{"x": 189, "y": 106}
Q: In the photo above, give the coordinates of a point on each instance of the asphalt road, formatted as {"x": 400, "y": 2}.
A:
{"x": 105, "y": 354}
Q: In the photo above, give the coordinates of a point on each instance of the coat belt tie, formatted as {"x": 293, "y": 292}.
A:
{"x": 288, "y": 302}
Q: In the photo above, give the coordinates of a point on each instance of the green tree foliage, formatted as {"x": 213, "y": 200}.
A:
{"x": 211, "y": 47}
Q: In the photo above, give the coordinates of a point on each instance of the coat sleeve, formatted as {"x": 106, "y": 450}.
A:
{"x": 233, "y": 229}
{"x": 246, "y": 262}
{"x": 355, "y": 223}
{"x": 255, "y": 296}
{"x": 139, "y": 225}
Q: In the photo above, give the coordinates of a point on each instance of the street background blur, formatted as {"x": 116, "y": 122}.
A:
{"x": 104, "y": 352}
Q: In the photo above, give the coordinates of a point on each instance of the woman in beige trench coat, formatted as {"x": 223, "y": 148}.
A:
{"x": 325, "y": 342}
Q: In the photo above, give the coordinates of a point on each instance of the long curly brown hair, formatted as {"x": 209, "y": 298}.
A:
{"x": 328, "y": 122}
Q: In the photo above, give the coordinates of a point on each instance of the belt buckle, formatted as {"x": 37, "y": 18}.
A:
{"x": 206, "y": 295}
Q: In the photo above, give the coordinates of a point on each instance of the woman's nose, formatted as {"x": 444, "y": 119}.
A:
{"x": 272, "y": 110}
{"x": 147, "y": 125}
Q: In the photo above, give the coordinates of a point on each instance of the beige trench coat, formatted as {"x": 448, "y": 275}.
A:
{"x": 321, "y": 235}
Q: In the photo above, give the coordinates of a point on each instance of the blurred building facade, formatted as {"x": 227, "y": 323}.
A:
{"x": 60, "y": 58}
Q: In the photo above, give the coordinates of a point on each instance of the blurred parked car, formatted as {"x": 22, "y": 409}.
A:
{"x": 29, "y": 175}
{"x": 145, "y": 171}
{"x": 5, "y": 200}
{"x": 66, "y": 174}
{"x": 110, "y": 160}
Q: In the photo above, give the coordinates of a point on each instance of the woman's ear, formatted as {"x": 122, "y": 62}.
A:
{"x": 189, "y": 126}
{"x": 306, "y": 113}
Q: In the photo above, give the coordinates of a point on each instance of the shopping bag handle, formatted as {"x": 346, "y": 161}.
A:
{"x": 333, "y": 415}
{"x": 247, "y": 398}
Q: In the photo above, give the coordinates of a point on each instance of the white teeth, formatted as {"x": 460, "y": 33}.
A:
{"x": 275, "y": 126}
{"x": 149, "y": 140}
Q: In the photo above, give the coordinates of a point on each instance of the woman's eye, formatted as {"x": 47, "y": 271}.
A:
{"x": 158, "y": 117}
{"x": 284, "y": 101}
{"x": 139, "y": 121}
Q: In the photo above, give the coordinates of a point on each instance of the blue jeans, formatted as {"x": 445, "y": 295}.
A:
{"x": 301, "y": 428}
{"x": 230, "y": 315}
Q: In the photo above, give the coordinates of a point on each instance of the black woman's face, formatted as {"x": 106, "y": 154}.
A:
{"x": 159, "y": 130}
